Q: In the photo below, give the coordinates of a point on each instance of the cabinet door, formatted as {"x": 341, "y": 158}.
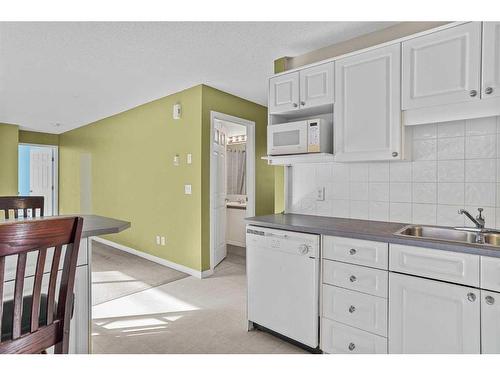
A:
{"x": 490, "y": 322}
{"x": 442, "y": 67}
{"x": 491, "y": 60}
{"x": 367, "y": 113}
{"x": 427, "y": 316}
{"x": 284, "y": 93}
{"x": 316, "y": 85}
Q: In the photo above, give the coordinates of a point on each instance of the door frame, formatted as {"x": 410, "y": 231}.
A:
{"x": 250, "y": 172}
{"x": 55, "y": 173}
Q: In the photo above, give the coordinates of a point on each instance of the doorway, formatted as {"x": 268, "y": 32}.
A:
{"x": 232, "y": 182}
{"x": 38, "y": 174}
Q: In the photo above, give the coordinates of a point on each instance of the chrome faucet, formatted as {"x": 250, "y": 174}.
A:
{"x": 478, "y": 221}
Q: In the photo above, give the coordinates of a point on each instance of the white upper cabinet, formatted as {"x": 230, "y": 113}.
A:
{"x": 284, "y": 93}
{"x": 316, "y": 85}
{"x": 491, "y": 60}
{"x": 432, "y": 317}
{"x": 367, "y": 110}
{"x": 307, "y": 88}
{"x": 443, "y": 67}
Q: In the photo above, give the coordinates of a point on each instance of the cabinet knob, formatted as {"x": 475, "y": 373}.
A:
{"x": 473, "y": 93}
{"x": 352, "y": 251}
{"x": 471, "y": 297}
{"x": 394, "y": 154}
{"x": 352, "y": 278}
{"x": 490, "y": 300}
{"x": 489, "y": 90}
{"x": 295, "y": 105}
{"x": 351, "y": 346}
{"x": 352, "y": 309}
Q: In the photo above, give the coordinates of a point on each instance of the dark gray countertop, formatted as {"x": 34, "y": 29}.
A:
{"x": 93, "y": 225}
{"x": 365, "y": 230}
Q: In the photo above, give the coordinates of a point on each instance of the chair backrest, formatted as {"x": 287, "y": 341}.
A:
{"x": 21, "y": 203}
{"x": 40, "y": 236}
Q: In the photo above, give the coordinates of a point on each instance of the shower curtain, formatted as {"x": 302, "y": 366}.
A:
{"x": 236, "y": 169}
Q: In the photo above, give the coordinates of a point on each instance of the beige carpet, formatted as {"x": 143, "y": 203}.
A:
{"x": 185, "y": 316}
{"x": 116, "y": 274}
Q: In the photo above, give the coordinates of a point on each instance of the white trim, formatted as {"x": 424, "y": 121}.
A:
{"x": 155, "y": 259}
{"x": 250, "y": 164}
{"x": 453, "y": 111}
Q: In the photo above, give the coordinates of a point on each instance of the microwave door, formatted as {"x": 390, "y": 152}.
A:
{"x": 288, "y": 138}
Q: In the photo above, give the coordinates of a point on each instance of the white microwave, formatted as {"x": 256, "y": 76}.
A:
{"x": 300, "y": 137}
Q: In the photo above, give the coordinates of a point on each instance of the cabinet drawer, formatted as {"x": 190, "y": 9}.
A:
{"x": 355, "y": 309}
{"x": 490, "y": 273}
{"x": 436, "y": 264}
{"x": 337, "y": 338}
{"x": 365, "y": 253}
{"x": 359, "y": 278}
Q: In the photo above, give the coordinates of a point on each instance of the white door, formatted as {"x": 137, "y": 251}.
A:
{"x": 42, "y": 176}
{"x": 367, "y": 111}
{"x": 432, "y": 317}
{"x": 219, "y": 193}
{"x": 284, "y": 93}
{"x": 316, "y": 85}
{"x": 491, "y": 60}
{"x": 490, "y": 322}
{"x": 442, "y": 67}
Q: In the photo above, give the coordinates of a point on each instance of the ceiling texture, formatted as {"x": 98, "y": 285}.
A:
{"x": 57, "y": 76}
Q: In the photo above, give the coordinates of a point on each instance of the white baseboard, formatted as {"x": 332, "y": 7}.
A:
{"x": 236, "y": 243}
{"x": 155, "y": 259}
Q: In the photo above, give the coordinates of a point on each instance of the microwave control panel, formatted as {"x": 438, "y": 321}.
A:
{"x": 313, "y": 136}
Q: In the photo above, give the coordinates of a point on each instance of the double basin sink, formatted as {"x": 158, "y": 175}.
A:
{"x": 487, "y": 237}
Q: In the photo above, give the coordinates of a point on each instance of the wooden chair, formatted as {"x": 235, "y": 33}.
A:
{"x": 21, "y": 203}
{"x": 31, "y": 324}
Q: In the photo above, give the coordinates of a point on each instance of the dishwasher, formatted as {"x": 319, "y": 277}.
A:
{"x": 283, "y": 282}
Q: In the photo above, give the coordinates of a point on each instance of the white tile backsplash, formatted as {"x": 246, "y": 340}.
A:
{"x": 455, "y": 165}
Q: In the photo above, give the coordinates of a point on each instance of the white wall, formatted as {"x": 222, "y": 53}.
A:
{"x": 454, "y": 165}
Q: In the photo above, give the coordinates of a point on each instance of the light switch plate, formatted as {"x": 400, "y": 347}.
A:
{"x": 320, "y": 193}
{"x": 163, "y": 241}
{"x": 177, "y": 160}
{"x": 189, "y": 158}
{"x": 157, "y": 240}
{"x": 187, "y": 189}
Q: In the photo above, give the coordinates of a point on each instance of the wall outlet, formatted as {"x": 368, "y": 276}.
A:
{"x": 187, "y": 189}
{"x": 189, "y": 158}
{"x": 158, "y": 240}
{"x": 320, "y": 193}
{"x": 163, "y": 241}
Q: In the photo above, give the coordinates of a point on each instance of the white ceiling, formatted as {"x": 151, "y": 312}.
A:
{"x": 74, "y": 73}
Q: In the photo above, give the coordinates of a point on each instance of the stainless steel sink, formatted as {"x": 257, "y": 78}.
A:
{"x": 491, "y": 238}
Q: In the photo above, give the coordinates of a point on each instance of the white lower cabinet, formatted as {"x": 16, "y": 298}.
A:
{"x": 427, "y": 316}
{"x": 490, "y": 322}
{"x": 337, "y": 338}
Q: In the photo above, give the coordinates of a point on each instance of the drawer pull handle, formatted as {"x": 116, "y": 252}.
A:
{"x": 352, "y": 278}
{"x": 471, "y": 297}
{"x": 351, "y": 346}
{"x": 490, "y": 300}
{"x": 352, "y": 251}
{"x": 352, "y": 309}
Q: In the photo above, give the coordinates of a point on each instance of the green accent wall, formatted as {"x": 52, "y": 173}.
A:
{"x": 38, "y": 138}
{"x": 8, "y": 159}
{"x": 279, "y": 189}
{"x": 280, "y": 65}
{"x": 133, "y": 176}
{"x": 219, "y": 101}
